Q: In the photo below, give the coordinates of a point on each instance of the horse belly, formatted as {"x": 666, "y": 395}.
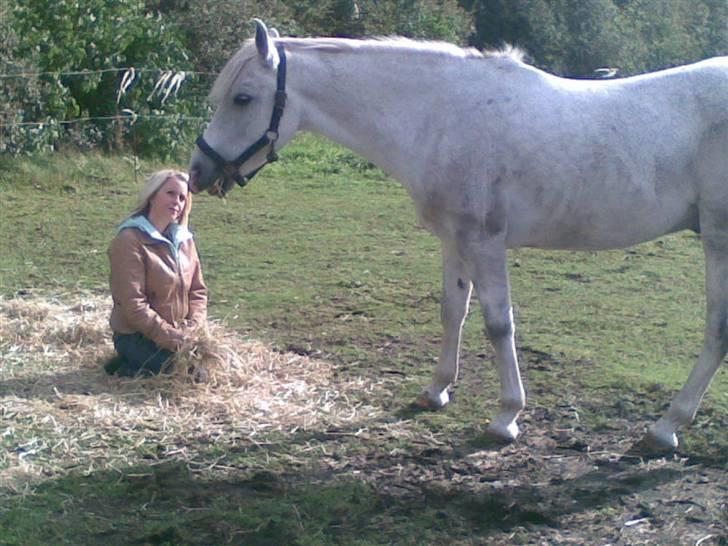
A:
{"x": 599, "y": 228}
{"x": 605, "y": 197}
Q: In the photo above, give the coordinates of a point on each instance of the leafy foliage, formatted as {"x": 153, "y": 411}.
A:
{"x": 215, "y": 29}
{"x": 73, "y": 46}
{"x": 16, "y": 94}
{"x": 429, "y": 19}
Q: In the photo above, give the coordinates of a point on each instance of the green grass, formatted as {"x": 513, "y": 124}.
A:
{"x": 323, "y": 253}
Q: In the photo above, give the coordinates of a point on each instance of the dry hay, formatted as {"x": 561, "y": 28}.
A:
{"x": 61, "y": 411}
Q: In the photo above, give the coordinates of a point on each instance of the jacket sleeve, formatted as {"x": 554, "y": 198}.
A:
{"x": 128, "y": 288}
{"x": 197, "y": 313}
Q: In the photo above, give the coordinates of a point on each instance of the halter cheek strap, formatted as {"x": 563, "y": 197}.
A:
{"x": 231, "y": 169}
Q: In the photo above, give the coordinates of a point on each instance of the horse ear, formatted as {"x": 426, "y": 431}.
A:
{"x": 273, "y": 33}
{"x": 262, "y": 40}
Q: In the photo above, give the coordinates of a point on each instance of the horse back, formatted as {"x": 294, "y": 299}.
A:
{"x": 588, "y": 164}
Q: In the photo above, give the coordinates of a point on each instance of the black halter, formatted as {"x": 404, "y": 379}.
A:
{"x": 231, "y": 169}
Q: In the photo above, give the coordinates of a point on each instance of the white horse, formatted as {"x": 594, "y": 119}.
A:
{"x": 497, "y": 154}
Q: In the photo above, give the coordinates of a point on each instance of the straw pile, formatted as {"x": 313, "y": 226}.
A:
{"x": 61, "y": 411}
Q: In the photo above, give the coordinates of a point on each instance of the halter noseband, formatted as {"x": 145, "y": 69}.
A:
{"x": 231, "y": 169}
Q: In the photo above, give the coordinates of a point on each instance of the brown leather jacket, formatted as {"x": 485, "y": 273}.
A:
{"x": 155, "y": 292}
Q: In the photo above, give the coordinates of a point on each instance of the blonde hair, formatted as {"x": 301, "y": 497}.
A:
{"x": 151, "y": 187}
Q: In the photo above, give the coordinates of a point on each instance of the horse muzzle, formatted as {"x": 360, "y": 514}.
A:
{"x": 216, "y": 183}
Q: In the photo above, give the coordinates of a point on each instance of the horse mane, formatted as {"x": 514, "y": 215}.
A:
{"x": 396, "y": 43}
{"x": 382, "y": 44}
{"x": 508, "y": 50}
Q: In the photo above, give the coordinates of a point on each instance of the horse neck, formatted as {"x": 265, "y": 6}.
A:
{"x": 371, "y": 103}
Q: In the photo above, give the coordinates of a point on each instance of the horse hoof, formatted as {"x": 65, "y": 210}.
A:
{"x": 504, "y": 434}
{"x": 486, "y": 440}
{"x": 660, "y": 437}
{"x": 654, "y": 442}
{"x": 424, "y": 401}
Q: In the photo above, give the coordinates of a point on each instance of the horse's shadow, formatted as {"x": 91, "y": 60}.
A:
{"x": 546, "y": 504}
{"x": 487, "y": 511}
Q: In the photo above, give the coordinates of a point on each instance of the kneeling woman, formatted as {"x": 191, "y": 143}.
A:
{"x": 156, "y": 281}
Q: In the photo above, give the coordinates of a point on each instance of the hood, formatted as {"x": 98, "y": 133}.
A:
{"x": 178, "y": 234}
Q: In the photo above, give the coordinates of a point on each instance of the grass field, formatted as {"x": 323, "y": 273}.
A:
{"x": 322, "y": 257}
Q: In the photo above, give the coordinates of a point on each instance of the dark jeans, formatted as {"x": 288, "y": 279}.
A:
{"x": 141, "y": 356}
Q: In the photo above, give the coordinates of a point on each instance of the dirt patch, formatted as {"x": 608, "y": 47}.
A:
{"x": 575, "y": 476}
{"x": 550, "y": 487}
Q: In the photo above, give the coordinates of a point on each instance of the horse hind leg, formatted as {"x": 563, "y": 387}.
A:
{"x": 456, "y": 290}
{"x": 662, "y": 435}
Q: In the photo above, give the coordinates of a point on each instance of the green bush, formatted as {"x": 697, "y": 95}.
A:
{"x": 70, "y": 48}
{"x": 215, "y": 29}
{"x": 61, "y": 39}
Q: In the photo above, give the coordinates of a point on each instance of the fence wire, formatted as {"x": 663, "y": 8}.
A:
{"x": 127, "y": 117}
{"x": 30, "y": 75}
{"x": 166, "y": 86}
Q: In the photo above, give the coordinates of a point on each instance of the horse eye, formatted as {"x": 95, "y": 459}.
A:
{"x": 241, "y": 99}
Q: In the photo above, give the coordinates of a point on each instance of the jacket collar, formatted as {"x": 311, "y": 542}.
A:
{"x": 178, "y": 234}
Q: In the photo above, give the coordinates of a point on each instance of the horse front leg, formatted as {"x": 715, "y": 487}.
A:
{"x": 456, "y": 290}
{"x": 715, "y": 345}
{"x": 488, "y": 262}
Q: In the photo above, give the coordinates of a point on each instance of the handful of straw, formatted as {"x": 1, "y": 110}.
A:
{"x": 213, "y": 355}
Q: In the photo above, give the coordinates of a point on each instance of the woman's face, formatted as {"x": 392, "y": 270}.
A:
{"x": 167, "y": 204}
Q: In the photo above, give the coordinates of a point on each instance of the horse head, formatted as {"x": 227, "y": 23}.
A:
{"x": 246, "y": 130}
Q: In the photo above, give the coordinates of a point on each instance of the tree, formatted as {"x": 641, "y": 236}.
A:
{"x": 597, "y": 37}
{"x": 215, "y": 29}
{"x": 19, "y": 95}
{"x": 670, "y": 31}
{"x": 425, "y": 19}
{"x": 533, "y": 25}
{"x": 574, "y": 37}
